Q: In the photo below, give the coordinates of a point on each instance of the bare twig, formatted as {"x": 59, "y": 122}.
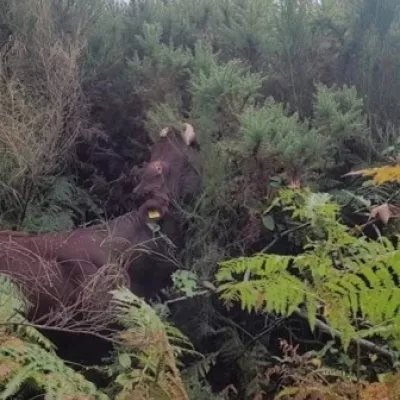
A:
{"x": 286, "y": 233}
{"x": 66, "y": 330}
{"x": 183, "y": 298}
{"x": 366, "y": 344}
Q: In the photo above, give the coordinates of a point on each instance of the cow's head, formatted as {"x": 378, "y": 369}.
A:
{"x": 174, "y": 167}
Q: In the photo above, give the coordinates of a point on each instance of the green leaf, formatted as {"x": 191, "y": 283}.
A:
{"x": 124, "y": 360}
{"x": 269, "y": 222}
{"x": 362, "y": 283}
{"x": 276, "y": 181}
{"x": 185, "y": 281}
{"x": 209, "y": 285}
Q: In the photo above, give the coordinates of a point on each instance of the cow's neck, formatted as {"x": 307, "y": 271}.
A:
{"x": 127, "y": 227}
{"x": 128, "y": 234}
{"x": 132, "y": 230}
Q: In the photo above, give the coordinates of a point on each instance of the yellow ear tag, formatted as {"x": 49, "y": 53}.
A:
{"x": 153, "y": 214}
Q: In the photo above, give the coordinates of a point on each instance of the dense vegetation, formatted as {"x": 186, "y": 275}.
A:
{"x": 289, "y": 280}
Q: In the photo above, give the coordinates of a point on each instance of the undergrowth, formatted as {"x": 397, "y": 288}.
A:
{"x": 28, "y": 358}
{"x": 344, "y": 275}
{"x": 281, "y": 93}
{"x": 144, "y": 363}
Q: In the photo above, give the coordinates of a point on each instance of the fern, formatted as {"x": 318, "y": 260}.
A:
{"x": 30, "y": 362}
{"x": 343, "y": 390}
{"x": 54, "y": 205}
{"x": 304, "y": 375}
{"x": 200, "y": 369}
{"x": 195, "y": 378}
{"x": 26, "y": 356}
{"x": 379, "y": 196}
{"x": 344, "y": 274}
{"x": 146, "y": 365}
{"x": 381, "y": 175}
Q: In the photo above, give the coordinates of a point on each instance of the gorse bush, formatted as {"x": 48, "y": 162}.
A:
{"x": 206, "y": 61}
{"x": 156, "y": 64}
{"x": 371, "y": 43}
{"x": 337, "y": 134}
{"x": 270, "y": 130}
{"x": 339, "y": 115}
{"x": 221, "y": 93}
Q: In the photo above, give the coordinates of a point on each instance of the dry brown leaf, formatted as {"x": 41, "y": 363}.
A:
{"x": 6, "y": 369}
{"x": 375, "y": 391}
{"x": 294, "y": 184}
{"x": 381, "y": 212}
{"x": 381, "y": 175}
{"x": 384, "y": 212}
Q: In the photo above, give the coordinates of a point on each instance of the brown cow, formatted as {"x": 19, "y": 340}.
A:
{"x": 53, "y": 268}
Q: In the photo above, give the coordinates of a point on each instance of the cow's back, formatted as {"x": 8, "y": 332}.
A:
{"x": 32, "y": 262}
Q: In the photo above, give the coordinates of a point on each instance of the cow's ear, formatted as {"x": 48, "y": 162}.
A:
{"x": 189, "y": 135}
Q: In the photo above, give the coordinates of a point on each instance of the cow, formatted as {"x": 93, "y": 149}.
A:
{"x": 53, "y": 269}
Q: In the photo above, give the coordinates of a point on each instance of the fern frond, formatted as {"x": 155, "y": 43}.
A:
{"x": 54, "y": 208}
{"x": 381, "y": 175}
{"x": 154, "y": 345}
{"x": 304, "y": 393}
{"x": 44, "y": 368}
{"x": 344, "y": 274}
{"x": 200, "y": 369}
{"x": 27, "y": 356}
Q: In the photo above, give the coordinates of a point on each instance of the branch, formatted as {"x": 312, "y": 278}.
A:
{"x": 391, "y": 355}
{"x": 286, "y": 233}
{"x": 184, "y": 298}
{"x": 66, "y": 330}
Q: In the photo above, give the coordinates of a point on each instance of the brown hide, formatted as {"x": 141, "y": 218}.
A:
{"x": 174, "y": 166}
{"x": 45, "y": 283}
{"x": 174, "y": 169}
{"x": 53, "y": 268}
